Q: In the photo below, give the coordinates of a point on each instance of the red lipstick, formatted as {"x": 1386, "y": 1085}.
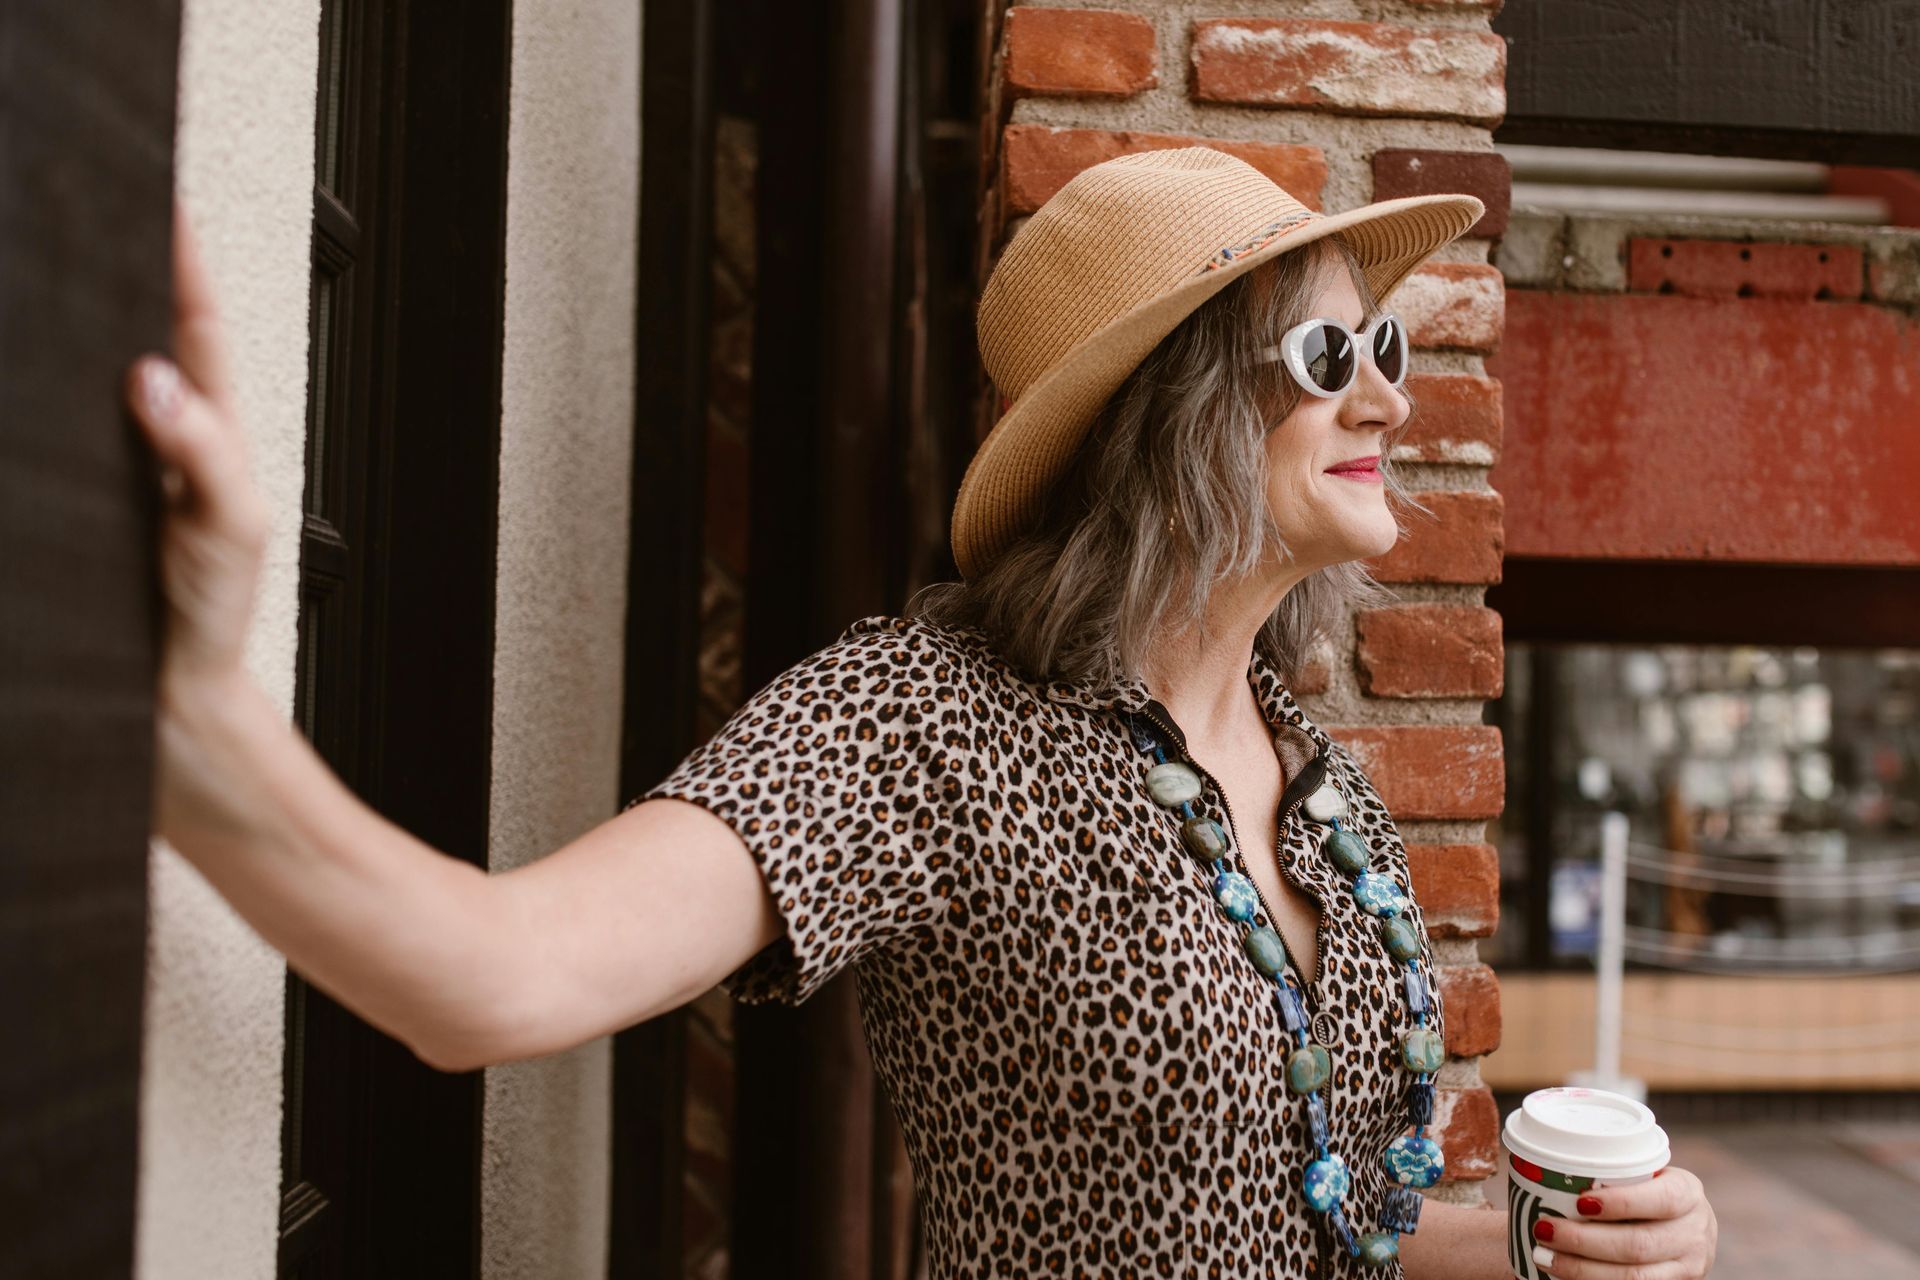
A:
{"x": 1366, "y": 470}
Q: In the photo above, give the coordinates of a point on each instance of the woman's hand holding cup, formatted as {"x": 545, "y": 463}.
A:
{"x": 1660, "y": 1229}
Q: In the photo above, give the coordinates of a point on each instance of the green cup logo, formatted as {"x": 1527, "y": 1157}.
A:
{"x": 1534, "y": 1193}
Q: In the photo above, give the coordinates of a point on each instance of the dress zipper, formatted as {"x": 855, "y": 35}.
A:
{"x": 1318, "y": 763}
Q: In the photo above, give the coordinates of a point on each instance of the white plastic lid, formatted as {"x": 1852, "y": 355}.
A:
{"x": 1588, "y": 1133}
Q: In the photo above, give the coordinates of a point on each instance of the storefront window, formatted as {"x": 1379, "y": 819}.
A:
{"x": 1773, "y": 797}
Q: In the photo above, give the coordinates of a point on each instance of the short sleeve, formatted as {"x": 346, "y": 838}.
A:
{"x": 836, "y": 777}
{"x": 1375, "y": 825}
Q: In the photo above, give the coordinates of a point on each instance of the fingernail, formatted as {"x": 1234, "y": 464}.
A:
{"x": 160, "y": 389}
{"x": 1542, "y": 1256}
{"x": 1588, "y": 1205}
{"x": 1543, "y": 1230}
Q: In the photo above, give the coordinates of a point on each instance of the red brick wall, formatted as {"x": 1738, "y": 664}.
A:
{"x": 1339, "y": 111}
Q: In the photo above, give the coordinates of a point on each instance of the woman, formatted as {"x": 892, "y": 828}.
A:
{"x": 1135, "y": 954}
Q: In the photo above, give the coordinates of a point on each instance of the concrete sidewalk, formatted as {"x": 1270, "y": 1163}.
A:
{"x": 1810, "y": 1202}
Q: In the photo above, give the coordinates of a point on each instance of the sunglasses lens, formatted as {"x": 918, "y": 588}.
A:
{"x": 1328, "y": 356}
{"x": 1390, "y": 350}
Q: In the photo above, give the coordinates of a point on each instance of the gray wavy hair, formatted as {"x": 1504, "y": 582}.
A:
{"x": 1173, "y": 472}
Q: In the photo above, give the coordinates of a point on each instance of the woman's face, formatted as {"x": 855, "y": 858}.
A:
{"x": 1328, "y": 516}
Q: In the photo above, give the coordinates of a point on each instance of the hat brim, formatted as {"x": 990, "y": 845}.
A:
{"x": 1031, "y": 444}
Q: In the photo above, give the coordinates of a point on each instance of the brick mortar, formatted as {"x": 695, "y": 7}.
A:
{"x": 1348, "y": 141}
{"x": 1396, "y": 12}
{"x": 1443, "y": 831}
{"x": 1442, "y": 477}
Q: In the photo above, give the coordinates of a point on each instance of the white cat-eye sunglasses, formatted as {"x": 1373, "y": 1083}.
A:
{"x": 1323, "y": 355}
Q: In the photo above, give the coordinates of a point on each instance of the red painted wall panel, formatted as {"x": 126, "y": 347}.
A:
{"x": 1748, "y": 429}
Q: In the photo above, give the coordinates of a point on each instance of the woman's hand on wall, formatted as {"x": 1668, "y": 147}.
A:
{"x": 214, "y": 525}
{"x": 1661, "y": 1229}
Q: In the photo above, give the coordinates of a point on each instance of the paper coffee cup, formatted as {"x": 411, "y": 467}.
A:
{"x": 1559, "y": 1144}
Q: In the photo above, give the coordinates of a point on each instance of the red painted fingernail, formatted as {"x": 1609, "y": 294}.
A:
{"x": 1543, "y": 1230}
{"x": 1588, "y": 1205}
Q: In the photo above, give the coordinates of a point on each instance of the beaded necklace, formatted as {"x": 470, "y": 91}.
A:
{"x": 1412, "y": 1160}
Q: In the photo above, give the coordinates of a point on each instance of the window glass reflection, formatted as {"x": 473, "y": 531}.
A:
{"x": 1773, "y": 795}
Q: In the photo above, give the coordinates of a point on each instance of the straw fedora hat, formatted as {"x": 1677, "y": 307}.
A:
{"x": 1107, "y": 268}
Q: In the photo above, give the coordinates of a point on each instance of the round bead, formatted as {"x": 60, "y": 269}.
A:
{"x": 1402, "y": 939}
{"x": 1326, "y": 804}
{"x": 1172, "y": 784}
{"x": 1421, "y": 1050}
{"x": 1206, "y": 839}
{"x": 1308, "y": 1067}
{"x": 1379, "y": 895}
{"x": 1378, "y": 1249}
{"x": 1236, "y": 895}
{"x": 1267, "y": 951}
{"x": 1415, "y": 1162}
{"x": 1348, "y": 851}
{"x": 1326, "y": 1182}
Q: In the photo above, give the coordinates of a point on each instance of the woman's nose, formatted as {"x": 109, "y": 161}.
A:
{"x": 1373, "y": 403}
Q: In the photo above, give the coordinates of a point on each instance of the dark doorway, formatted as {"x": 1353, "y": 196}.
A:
{"x": 381, "y": 1153}
{"x": 862, "y": 120}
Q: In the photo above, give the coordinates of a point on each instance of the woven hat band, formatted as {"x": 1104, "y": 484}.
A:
{"x": 1113, "y": 238}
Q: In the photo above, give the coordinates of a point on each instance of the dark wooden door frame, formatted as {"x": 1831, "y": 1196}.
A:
{"x": 86, "y": 172}
{"x": 421, "y": 741}
{"x": 861, "y": 425}
{"x": 671, "y": 319}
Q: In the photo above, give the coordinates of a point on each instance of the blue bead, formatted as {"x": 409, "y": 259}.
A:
{"x": 1143, "y": 739}
{"x": 1326, "y": 1182}
{"x": 1264, "y": 948}
{"x": 1401, "y": 1210}
{"x": 1205, "y": 838}
{"x": 1343, "y": 1232}
{"x": 1348, "y": 852}
{"x": 1416, "y": 992}
{"x": 1378, "y": 1249}
{"x": 1421, "y": 1050}
{"x": 1379, "y": 895}
{"x": 1420, "y": 1103}
{"x": 1172, "y": 784}
{"x": 1293, "y": 1014}
{"x": 1317, "y": 1119}
{"x": 1236, "y": 895}
{"x": 1402, "y": 940}
{"x": 1414, "y": 1162}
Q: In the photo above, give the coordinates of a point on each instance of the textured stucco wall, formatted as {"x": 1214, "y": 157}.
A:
{"x": 209, "y": 1194}
{"x": 572, "y": 191}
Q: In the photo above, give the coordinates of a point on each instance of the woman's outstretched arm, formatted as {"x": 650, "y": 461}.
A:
{"x": 633, "y": 918}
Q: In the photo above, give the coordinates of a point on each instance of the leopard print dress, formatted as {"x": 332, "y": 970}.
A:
{"x": 1087, "y": 1069}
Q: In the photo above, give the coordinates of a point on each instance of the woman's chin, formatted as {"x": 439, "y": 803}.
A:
{"x": 1371, "y": 542}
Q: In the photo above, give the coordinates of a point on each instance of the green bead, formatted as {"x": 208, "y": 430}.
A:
{"x": 1206, "y": 839}
{"x": 1268, "y": 953}
{"x": 1172, "y": 784}
{"x": 1421, "y": 1050}
{"x": 1378, "y": 1249}
{"x": 1402, "y": 939}
{"x": 1349, "y": 852}
{"x": 1308, "y": 1067}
